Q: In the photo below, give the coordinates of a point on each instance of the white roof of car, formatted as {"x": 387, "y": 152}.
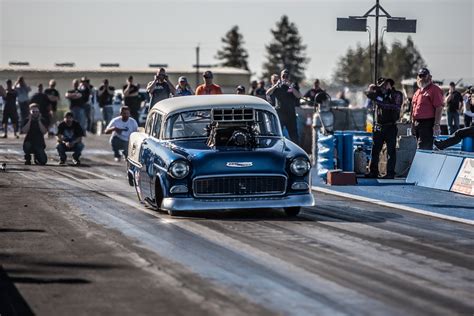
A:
{"x": 202, "y": 102}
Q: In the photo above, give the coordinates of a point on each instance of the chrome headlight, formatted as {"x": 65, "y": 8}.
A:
{"x": 179, "y": 169}
{"x": 300, "y": 166}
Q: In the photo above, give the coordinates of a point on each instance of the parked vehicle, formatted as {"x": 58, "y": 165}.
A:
{"x": 217, "y": 152}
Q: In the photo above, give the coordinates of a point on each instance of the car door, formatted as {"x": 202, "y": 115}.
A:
{"x": 146, "y": 160}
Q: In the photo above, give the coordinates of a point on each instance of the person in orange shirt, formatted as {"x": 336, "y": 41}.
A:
{"x": 208, "y": 87}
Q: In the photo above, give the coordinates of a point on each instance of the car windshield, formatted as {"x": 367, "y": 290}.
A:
{"x": 193, "y": 124}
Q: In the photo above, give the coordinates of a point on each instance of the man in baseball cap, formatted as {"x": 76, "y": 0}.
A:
{"x": 208, "y": 87}
{"x": 427, "y": 104}
{"x": 240, "y": 89}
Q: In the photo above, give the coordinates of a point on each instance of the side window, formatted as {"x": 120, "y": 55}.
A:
{"x": 157, "y": 129}
{"x": 149, "y": 123}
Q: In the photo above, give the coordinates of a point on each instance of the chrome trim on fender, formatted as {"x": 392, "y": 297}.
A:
{"x": 133, "y": 162}
{"x": 192, "y": 204}
{"x": 160, "y": 167}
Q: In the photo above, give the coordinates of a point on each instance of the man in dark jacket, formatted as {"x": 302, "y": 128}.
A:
{"x": 387, "y": 102}
{"x": 44, "y": 104}
{"x": 35, "y": 129}
{"x": 69, "y": 136}
{"x": 287, "y": 96}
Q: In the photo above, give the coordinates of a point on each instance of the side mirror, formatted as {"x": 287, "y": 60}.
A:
{"x": 141, "y": 130}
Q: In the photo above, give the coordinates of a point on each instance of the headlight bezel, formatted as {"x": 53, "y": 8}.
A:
{"x": 181, "y": 173}
{"x": 300, "y": 166}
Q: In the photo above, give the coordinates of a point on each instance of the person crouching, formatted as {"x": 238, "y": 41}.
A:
{"x": 121, "y": 127}
{"x": 69, "y": 136}
{"x": 35, "y": 128}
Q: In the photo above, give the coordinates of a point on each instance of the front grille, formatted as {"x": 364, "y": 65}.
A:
{"x": 229, "y": 186}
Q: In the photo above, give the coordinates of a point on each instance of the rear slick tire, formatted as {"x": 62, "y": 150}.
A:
{"x": 292, "y": 211}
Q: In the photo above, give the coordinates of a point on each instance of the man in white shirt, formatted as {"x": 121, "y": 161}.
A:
{"x": 121, "y": 127}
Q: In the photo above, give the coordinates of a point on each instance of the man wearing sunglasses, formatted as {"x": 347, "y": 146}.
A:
{"x": 427, "y": 108}
{"x": 208, "y": 87}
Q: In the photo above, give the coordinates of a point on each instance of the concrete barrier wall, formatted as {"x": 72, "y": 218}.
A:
{"x": 444, "y": 171}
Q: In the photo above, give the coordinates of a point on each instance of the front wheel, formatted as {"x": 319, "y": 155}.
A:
{"x": 292, "y": 211}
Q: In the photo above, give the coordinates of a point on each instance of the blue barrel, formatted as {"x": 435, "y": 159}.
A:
{"x": 339, "y": 148}
{"x": 348, "y": 152}
{"x": 325, "y": 155}
{"x": 467, "y": 144}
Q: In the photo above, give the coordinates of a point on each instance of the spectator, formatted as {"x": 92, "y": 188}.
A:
{"x": 271, "y": 98}
{"x": 9, "y": 109}
{"x": 77, "y": 104}
{"x": 261, "y": 92}
{"x": 468, "y": 107}
{"x": 311, "y": 93}
{"x": 208, "y": 87}
{"x": 388, "y": 102}
{"x": 85, "y": 88}
{"x": 253, "y": 88}
{"x": 160, "y": 88}
{"x": 427, "y": 108}
{"x": 454, "y": 104}
{"x": 35, "y": 129}
{"x": 131, "y": 98}
{"x": 341, "y": 95}
{"x": 287, "y": 98}
{"x": 53, "y": 96}
{"x": 22, "y": 90}
{"x": 121, "y": 127}
{"x": 183, "y": 88}
{"x": 240, "y": 90}
{"x": 44, "y": 105}
{"x": 455, "y": 138}
{"x": 369, "y": 104}
{"x": 70, "y": 134}
{"x": 106, "y": 97}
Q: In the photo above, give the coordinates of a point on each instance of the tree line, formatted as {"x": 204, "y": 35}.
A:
{"x": 355, "y": 67}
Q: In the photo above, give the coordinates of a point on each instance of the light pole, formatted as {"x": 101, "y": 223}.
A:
{"x": 359, "y": 24}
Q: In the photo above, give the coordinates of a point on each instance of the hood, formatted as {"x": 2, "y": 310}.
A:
{"x": 269, "y": 157}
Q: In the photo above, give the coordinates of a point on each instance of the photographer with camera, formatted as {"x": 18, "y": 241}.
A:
{"x": 468, "y": 101}
{"x": 105, "y": 96}
{"x": 121, "y": 127}
{"x": 387, "y": 103}
{"x": 160, "y": 88}
{"x": 287, "y": 97}
{"x": 35, "y": 128}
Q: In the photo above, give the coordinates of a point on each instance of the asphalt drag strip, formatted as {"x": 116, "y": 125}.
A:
{"x": 341, "y": 257}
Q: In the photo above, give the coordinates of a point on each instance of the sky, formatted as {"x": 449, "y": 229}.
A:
{"x": 135, "y": 33}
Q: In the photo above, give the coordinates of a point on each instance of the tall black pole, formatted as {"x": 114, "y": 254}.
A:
{"x": 197, "y": 66}
{"x": 376, "y": 64}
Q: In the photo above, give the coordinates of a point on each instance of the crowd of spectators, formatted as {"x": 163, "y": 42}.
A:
{"x": 38, "y": 113}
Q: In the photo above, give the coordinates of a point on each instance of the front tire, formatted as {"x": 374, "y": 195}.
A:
{"x": 158, "y": 195}
{"x": 292, "y": 211}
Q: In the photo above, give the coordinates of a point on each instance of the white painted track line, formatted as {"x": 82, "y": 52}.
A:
{"x": 392, "y": 205}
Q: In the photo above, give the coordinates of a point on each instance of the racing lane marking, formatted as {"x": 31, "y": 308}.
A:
{"x": 392, "y": 205}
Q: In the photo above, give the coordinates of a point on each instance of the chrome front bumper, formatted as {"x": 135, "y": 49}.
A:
{"x": 192, "y": 204}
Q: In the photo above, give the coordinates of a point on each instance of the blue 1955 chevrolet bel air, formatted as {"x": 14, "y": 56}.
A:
{"x": 217, "y": 152}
